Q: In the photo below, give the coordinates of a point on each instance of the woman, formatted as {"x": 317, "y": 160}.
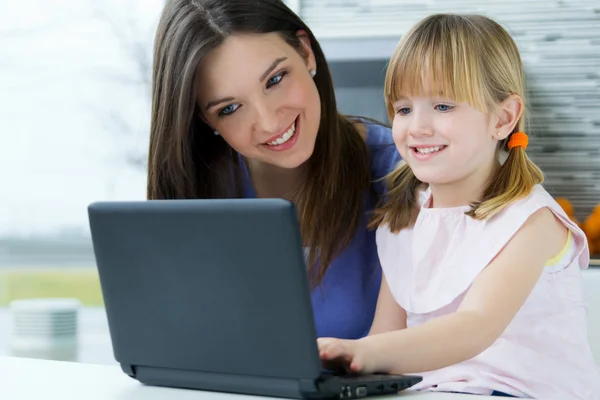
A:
{"x": 243, "y": 106}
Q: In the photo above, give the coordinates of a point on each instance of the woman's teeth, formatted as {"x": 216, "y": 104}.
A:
{"x": 427, "y": 150}
{"x": 285, "y": 137}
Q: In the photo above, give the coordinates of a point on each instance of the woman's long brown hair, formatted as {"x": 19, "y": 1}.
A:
{"x": 186, "y": 160}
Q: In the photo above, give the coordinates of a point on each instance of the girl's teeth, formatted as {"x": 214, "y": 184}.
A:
{"x": 427, "y": 150}
{"x": 285, "y": 137}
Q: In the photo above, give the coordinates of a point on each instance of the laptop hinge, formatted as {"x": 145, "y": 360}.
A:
{"x": 128, "y": 369}
{"x": 309, "y": 388}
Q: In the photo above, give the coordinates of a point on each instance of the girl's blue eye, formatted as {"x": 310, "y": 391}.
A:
{"x": 403, "y": 111}
{"x": 443, "y": 107}
{"x": 230, "y": 109}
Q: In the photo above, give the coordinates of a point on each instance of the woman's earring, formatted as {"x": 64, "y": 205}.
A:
{"x": 216, "y": 133}
{"x": 313, "y": 73}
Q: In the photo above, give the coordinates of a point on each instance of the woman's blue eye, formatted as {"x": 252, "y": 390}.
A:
{"x": 230, "y": 109}
{"x": 443, "y": 107}
{"x": 403, "y": 111}
{"x": 276, "y": 79}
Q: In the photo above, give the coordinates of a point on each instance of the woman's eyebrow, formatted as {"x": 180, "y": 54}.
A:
{"x": 213, "y": 103}
{"x": 273, "y": 65}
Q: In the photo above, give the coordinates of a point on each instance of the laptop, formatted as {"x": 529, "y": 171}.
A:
{"x": 213, "y": 295}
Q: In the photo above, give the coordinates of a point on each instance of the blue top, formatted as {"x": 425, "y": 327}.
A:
{"x": 344, "y": 303}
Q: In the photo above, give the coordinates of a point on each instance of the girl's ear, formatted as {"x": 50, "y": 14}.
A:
{"x": 508, "y": 115}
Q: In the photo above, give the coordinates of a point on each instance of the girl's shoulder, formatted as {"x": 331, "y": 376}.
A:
{"x": 445, "y": 250}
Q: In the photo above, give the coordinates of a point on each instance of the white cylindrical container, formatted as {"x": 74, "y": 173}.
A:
{"x": 45, "y": 328}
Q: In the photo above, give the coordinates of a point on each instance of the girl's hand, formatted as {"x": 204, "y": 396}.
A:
{"x": 350, "y": 356}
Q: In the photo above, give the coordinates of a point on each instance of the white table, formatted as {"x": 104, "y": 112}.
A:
{"x": 29, "y": 379}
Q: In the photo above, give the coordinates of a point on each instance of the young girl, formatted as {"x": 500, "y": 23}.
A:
{"x": 482, "y": 287}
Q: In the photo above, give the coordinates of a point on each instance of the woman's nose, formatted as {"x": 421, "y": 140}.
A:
{"x": 267, "y": 118}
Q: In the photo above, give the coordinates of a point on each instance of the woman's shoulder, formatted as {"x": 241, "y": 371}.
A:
{"x": 383, "y": 153}
{"x": 375, "y": 133}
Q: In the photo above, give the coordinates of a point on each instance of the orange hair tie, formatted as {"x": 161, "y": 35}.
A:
{"x": 518, "y": 139}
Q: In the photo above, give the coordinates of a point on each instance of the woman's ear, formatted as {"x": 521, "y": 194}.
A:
{"x": 203, "y": 119}
{"x": 307, "y": 51}
{"x": 200, "y": 115}
{"x": 508, "y": 115}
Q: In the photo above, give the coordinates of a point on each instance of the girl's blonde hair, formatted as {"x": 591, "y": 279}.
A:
{"x": 472, "y": 59}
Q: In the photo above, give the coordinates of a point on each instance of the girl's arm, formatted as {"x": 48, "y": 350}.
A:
{"x": 389, "y": 316}
{"x": 494, "y": 298}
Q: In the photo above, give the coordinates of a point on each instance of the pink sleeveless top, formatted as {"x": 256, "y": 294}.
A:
{"x": 544, "y": 352}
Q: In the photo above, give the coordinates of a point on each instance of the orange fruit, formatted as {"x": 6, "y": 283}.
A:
{"x": 591, "y": 227}
{"x": 566, "y": 205}
{"x": 595, "y": 247}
